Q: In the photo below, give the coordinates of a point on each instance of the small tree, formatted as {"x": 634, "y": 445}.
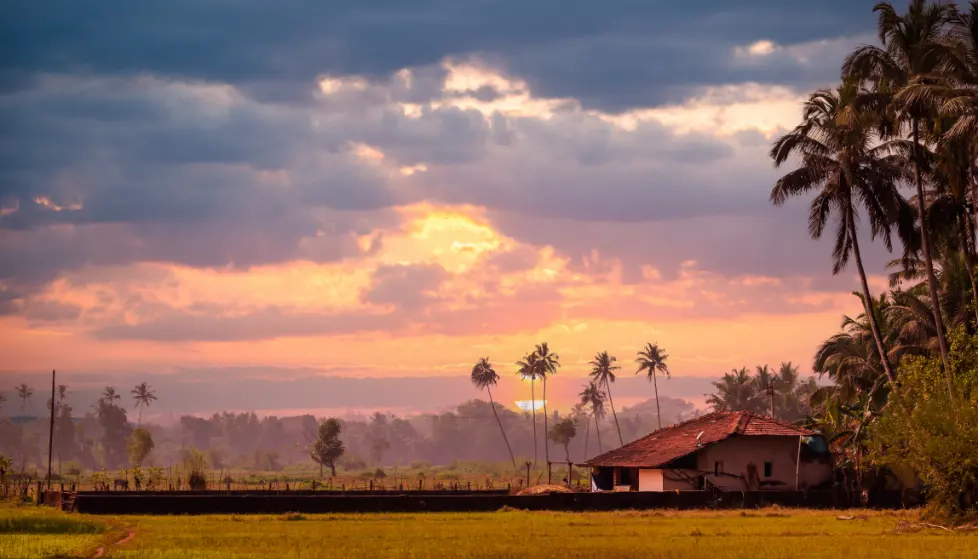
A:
{"x": 562, "y": 433}
{"x": 327, "y": 448}
{"x": 139, "y": 445}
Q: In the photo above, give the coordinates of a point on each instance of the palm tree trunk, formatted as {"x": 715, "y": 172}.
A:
{"x": 925, "y": 245}
{"x": 533, "y": 410}
{"x": 597, "y": 429}
{"x": 868, "y": 299}
{"x": 658, "y": 413}
{"x": 546, "y": 427}
{"x": 587, "y": 434}
{"x": 968, "y": 238}
{"x": 139, "y": 422}
{"x": 611, "y": 401}
{"x": 23, "y": 443}
{"x": 500, "y": 423}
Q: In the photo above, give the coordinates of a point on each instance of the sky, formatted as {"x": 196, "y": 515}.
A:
{"x": 306, "y": 205}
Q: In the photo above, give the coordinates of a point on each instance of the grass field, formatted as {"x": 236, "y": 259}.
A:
{"x": 767, "y": 533}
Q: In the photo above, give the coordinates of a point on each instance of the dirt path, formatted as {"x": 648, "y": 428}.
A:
{"x": 128, "y": 537}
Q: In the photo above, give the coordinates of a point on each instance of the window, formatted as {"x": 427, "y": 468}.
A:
{"x": 718, "y": 468}
{"x": 768, "y": 469}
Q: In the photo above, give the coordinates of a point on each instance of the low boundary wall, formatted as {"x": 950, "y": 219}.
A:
{"x": 214, "y": 503}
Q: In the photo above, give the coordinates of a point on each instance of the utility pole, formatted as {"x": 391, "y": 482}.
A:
{"x": 51, "y": 432}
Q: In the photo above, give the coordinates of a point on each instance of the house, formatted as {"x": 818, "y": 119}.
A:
{"x": 729, "y": 450}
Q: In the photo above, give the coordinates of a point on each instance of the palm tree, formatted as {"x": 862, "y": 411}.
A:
{"x": 485, "y": 377}
{"x": 736, "y": 391}
{"x": 839, "y": 160}
{"x": 25, "y": 393}
{"x": 652, "y": 360}
{"x": 547, "y": 364}
{"x": 528, "y": 369}
{"x": 904, "y": 73}
{"x": 2, "y": 399}
{"x": 603, "y": 372}
{"x": 764, "y": 383}
{"x": 62, "y": 394}
{"x": 850, "y": 360}
{"x": 143, "y": 395}
{"x": 109, "y": 396}
{"x": 592, "y": 397}
{"x": 578, "y": 412}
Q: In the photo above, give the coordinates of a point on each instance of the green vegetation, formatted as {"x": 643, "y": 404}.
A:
{"x": 28, "y": 532}
{"x": 766, "y": 533}
{"x": 902, "y": 406}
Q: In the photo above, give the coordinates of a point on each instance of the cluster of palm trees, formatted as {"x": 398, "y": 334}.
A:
{"x": 143, "y": 395}
{"x": 906, "y": 114}
{"x": 542, "y": 363}
{"x": 782, "y": 393}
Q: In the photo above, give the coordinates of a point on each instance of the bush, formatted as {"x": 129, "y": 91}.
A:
{"x": 936, "y": 435}
{"x": 351, "y": 462}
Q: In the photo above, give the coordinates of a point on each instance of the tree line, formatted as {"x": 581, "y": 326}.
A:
{"x": 905, "y": 114}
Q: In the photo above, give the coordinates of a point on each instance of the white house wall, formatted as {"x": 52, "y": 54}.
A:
{"x": 650, "y": 480}
{"x": 737, "y": 452}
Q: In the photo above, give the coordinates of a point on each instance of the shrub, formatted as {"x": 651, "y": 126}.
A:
{"x": 936, "y": 435}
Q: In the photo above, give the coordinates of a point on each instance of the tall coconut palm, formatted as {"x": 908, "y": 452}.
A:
{"x": 143, "y": 395}
{"x": 25, "y": 393}
{"x": 109, "y": 396}
{"x": 593, "y": 398}
{"x": 578, "y": 412}
{"x": 547, "y": 362}
{"x": 842, "y": 159}
{"x": 485, "y": 377}
{"x": 528, "y": 369}
{"x": 603, "y": 372}
{"x": 903, "y": 73}
{"x": 652, "y": 360}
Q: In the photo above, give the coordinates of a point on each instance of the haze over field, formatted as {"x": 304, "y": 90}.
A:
{"x": 343, "y": 210}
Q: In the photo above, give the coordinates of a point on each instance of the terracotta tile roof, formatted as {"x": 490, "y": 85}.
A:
{"x": 665, "y": 445}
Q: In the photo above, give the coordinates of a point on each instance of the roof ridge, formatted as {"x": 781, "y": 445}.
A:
{"x": 712, "y": 414}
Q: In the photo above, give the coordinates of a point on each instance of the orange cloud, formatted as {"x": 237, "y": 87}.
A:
{"x": 438, "y": 292}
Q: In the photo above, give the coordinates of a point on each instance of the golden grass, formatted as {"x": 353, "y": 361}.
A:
{"x": 766, "y": 533}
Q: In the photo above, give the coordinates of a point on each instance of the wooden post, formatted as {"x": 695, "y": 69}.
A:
{"x": 798, "y": 463}
{"x": 527, "y": 473}
{"x": 51, "y": 432}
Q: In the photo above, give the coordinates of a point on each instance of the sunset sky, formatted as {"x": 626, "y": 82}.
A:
{"x": 341, "y": 205}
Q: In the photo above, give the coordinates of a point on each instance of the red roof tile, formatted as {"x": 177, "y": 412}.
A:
{"x": 665, "y": 445}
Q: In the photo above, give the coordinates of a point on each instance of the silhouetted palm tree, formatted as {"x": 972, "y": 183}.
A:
{"x": 547, "y": 364}
{"x": 143, "y": 395}
{"x": 603, "y": 372}
{"x": 843, "y": 161}
{"x": 485, "y": 377}
{"x": 25, "y": 393}
{"x": 527, "y": 368}
{"x": 903, "y": 73}
{"x": 110, "y": 396}
{"x": 736, "y": 391}
{"x": 652, "y": 360}
{"x": 592, "y": 397}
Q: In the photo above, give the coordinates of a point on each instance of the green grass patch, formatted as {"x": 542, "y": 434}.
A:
{"x": 28, "y": 532}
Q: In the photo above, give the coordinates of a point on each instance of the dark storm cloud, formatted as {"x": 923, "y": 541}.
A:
{"x": 615, "y": 54}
